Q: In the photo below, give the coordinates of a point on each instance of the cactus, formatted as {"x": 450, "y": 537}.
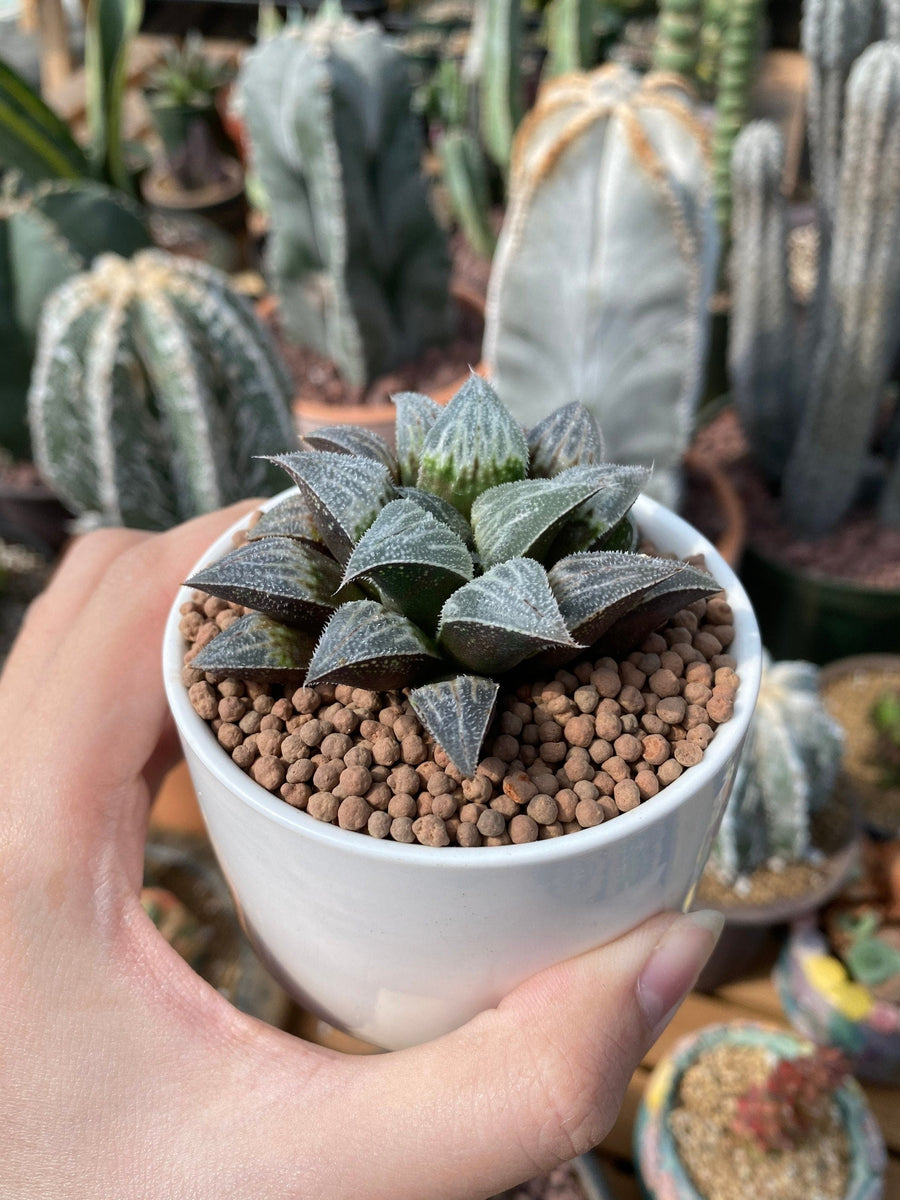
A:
{"x": 359, "y": 263}
{"x": 45, "y": 237}
{"x": 571, "y": 40}
{"x": 787, "y": 773}
{"x": 494, "y": 60}
{"x": 735, "y": 78}
{"x": 604, "y": 268}
{"x": 154, "y": 390}
{"x": 463, "y": 167}
{"x": 678, "y": 37}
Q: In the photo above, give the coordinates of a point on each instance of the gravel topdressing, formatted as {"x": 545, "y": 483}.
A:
{"x": 564, "y": 753}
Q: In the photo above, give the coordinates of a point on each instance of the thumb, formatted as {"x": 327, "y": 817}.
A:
{"x": 538, "y": 1080}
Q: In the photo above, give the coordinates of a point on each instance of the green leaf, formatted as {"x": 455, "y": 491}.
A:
{"x": 33, "y": 139}
{"x": 568, "y": 437}
{"x": 505, "y": 616}
{"x": 594, "y": 590}
{"x": 346, "y": 493}
{"x": 284, "y": 578}
{"x": 520, "y": 520}
{"x": 682, "y": 588}
{"x": 439, "y": 508}
{"x": 354, "y": 439}
{"x": 109, "y": 28}
{"x": 256, "y": 647}
{"x": 592, "y": 524}
{"x": 457, "y": 713}
{"x": 415, "y": 416}
{"x": 292, "y": 518}
{"x": 872, "y": 961}
{"x": 414, "y": 559}
{"x": 366, "y": 646}
{"x": 474, "y": 444}
{"x": 623, "y": 536}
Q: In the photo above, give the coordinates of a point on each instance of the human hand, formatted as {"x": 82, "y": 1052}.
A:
{"x": 124, "y": 1075}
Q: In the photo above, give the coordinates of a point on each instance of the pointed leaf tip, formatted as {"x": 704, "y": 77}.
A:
{"x": 353, "y": 439}
{"x": 568, "y": 437}
{"x": 416, "y": 414}
{"x": 366, "y": 646}
{"x": 258, "y": 648}
{"x": 292, "y": 518}
{"x": 457, "y": 713}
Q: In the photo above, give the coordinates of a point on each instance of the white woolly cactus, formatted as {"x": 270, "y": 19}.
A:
{"x": 605, "y": 266}
{"x": 446, "y": 566}
{"x": 787, "y": 774}
{"x": 155, "y": 390}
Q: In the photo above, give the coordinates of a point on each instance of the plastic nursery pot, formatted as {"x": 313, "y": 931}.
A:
{"x": 825, "y": 1005}
{"x": 803, "y": 615}
{"x": 223, "y": 203}
{"x": 399, "y": 943}
{"x": 662, "y": 1173}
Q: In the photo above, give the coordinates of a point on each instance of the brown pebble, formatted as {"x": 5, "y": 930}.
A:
{"x": 607, "y": 726}
{"x": 671, "y": 709}
{"x": 523, "y": 829}
{"x": 519, "y": 787}
{"x": 669, "y": 771}
{"x": 647, "y": 784}
{"x": 269, "y": 742}
{"x": 720, "y": 709}
{"x": 300, "y": 771}
{"x": 379, "y": 825}
{"x": 444, "y": 806}
{"x": 628, "y": 747}
{"x": 505, "y": 748}
{"x": 503, "y": 840}
{"x": 244, "y": 754}
{"x": 440, "y": 783}
{"x": 296, "y": 794}
{"x": 553, "y": 752}
{"x": 491, "y": 823}
{"x": 402, "y": 805}
{"x": 688, "y": 753}
{"x": 493, "y": 769}
{"x": 627, "y": 795}
{"x": 505, "y": 805}
{"x": 386, "y": 750}
{"x": 467, "y": 834}
{"x": 656, "y": 749}
{"x": 589, "y": 813}
{"x": 269, "y": 772}
{"x": 204, "y": 700}
{"x": 229, "y": 736}
{"x": 665, "y": 683}
{"x": 701, "y": 734}
{"x": 263, "y": 704}
{"x": 586, "y": 698}
{"x": 354, "y": 812}
{"x": 606, "y": 682}
{"x": 579, "y": 731}
{"x": 402, "y": 830}
{"x": 431, "y": 831}
{"x": 542, "y": 809}
{"x": 328, "y": 774}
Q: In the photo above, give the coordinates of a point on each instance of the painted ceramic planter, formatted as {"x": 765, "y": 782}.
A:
{"x": 662, "y": 1173}
{"x": 397, "y": 943}
{"x": 826, "y": 1006}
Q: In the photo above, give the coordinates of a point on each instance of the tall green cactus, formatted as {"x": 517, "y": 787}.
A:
{"x": 155, "y": 390}
{"x": 735, "y": 78}
{"x": 494, "y": 60}
{"x": 360, "y": 265}
{"x": 46, "y": 236}
{"x": 571, "y": 40}
{"x": 677, "y": 47}
{"x": 605, "y": 265}
{"x": 787, "y": 773}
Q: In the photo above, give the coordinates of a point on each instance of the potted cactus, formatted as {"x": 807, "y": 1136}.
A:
{"x": 358, "y": 264}
{"x": 741, "y": 1109}
{"x": 351, "y": 743}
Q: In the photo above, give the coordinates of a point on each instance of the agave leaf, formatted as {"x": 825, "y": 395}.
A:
{"x": 594, "y": 590}
{"x": 346, "y": 493}
{"x": 413, "y": 558}
{"x": 474, "y": 444}
{"x": 457, "y": 713}
{"x": 256, "y": 647}
{"x": 353, "y": 439}
{"x": 442, "y": 510}
{"x": 366, "y": 646}
{"x": 590, "y": 524}
{"x": 665, "y": 600}
{"x": 292, "y": 518}
{"x": 415, "y": 416}
{"x": 518, "y": 520}
{"x": 284, "y": 578}
{"x": 568, "y": 437}
{"x": 505, "y": 616}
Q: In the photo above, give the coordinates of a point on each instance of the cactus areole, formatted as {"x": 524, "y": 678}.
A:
{"x": 475, "y": 549}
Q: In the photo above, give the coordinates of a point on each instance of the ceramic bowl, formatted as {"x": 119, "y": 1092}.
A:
{"x": 397, "y": 944}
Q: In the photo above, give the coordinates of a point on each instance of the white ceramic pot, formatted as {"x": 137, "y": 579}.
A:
{"x": 397, "y": 944}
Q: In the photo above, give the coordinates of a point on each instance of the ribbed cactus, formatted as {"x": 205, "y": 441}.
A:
{"x": 787, "y": 774}
{"x": 605, "y": 264}
{"x": 571, "y": 40}
{"x": 494, "y": 60}
{"x": 740, "y": 39}
{"x": 155, "y": 388}
{"x": 358, "y": 261}
{"x": 678, "y": 37}
{"x": 463, "y": 167}
{"x": 46, "y": 236}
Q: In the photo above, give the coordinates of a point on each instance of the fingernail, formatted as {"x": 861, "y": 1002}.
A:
{"x": 674, "y": 965}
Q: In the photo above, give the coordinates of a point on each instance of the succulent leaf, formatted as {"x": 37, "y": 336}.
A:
{"x": 286, "y": 579}
{"x": 292, "y": 518}
{"x": 474, "y": 444}
{"x": 366, "y": 646}
{"x": 594, "y": 590}
{"x": 457, "y": 713}
{"x": 622, "y": 536}
{"x": 415, "y": 416}
{"x": 354, "y": 439}
{"x": 591, "y": 525}
{"x": 568, "y": 437}
{"x": 414, "y": 559}
{"x": 346, "y": 492}
{"x": 441, "y": 509}
{"x": 256, "y": 647}
{"x": 520, "y": 519}
{"x": 670, "y": 596}
{"x": 503, "y": 617}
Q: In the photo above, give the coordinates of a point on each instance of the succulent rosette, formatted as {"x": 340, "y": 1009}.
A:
{"x": 473, "y": 550}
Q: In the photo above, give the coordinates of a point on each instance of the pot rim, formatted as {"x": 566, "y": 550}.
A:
{"x": 658, "y": 520}
{"x": 832, "y": 585}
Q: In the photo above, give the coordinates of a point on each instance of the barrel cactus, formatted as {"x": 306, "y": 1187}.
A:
{"x": 155, "y": 390}
{"x": 46, "y": 236}
{"x": 360, "y": 265}
{"x": 605, "y": 265}
{"x": 476, "y": 548}
{"x": 786, "y": 775}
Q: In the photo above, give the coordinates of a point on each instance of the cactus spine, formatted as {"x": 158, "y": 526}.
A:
{"x": 154, "y": 389}
{"x": 356, "y": 256}
{"x": 735, "y": 79}
{"x": 678, "y": 37}
{"x": 46, "y": 236}
{"x": 604, "y": 267}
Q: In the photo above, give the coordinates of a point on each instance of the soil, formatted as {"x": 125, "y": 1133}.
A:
{"x": 724, "y": 1166}
{"x": 850, "y": 698}
{"x": 861, "y": 551}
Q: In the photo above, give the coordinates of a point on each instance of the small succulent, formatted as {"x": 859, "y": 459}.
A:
{"x": 885, "y": 717}
{"x": 780, "y": 1112}
{"x": 187, "y": 76}
{"x": 475, "y": 549}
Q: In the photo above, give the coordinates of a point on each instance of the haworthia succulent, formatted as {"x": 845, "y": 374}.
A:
{"x": 415, "y": 416}
{"x": 656, "y": 606}
{"x": 605, "y": 265}
{"x": 594, "y": 590}
{"x": 354, "y": 439}
{"x": 568, "y": 437}
{"x": 593, "y": 525}
{"x": 367, "y": 646}
{"x": 292, "y": 517}
{"x": 256, "y": 647}
{"x": 457, "y": 713}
